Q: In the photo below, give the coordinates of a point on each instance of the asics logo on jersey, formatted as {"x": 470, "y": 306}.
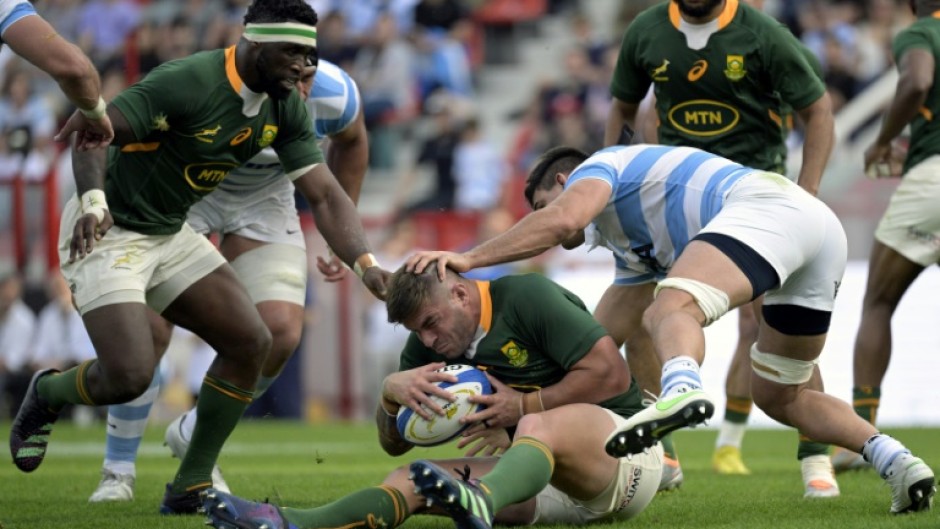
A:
{"x": 205, "y": 177}
{"x": 698, "y": 70}
{"x": 242, "y": 135}
{"x": 659, "y": 73}
{"x": 207, "y": 135}
{"x": 703, "y": 117}
{"x": 735, "y": 69}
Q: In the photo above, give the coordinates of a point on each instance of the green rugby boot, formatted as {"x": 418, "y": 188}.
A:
{"x": 29, "y": 434}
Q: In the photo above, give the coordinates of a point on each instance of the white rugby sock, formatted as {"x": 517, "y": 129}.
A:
{"x": 125, "y": 428}
{"x": 680, "y": 374}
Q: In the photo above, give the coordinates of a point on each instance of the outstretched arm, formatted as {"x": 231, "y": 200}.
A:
{"x": 337, "y": 219}
{"x": 348, "y": 157}
{"x": 559, "y": 221}
{"x": 37, "y": 41}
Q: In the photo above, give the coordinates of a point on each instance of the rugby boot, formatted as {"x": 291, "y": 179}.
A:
{"x": 32, "y": 426}
{"x": 647, "y": 427}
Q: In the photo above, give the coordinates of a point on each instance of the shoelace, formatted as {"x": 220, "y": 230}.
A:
{"x": 465, "y": 474}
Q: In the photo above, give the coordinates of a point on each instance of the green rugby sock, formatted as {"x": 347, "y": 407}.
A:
{"x": 380, "y": 507}
{"x": 220, "y": 406}
{"x": 669, "y": 450}
{"x": 808, "y": 448}
{"x": 865, "y": 400}
{"x": 521, "y": 473}
{"x": 67, "y": 387}
{"x": 738, "y": 409}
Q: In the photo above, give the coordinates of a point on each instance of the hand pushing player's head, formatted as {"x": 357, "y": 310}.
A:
{"x": 279, "y": 42}
{"x": 444, "y": 315}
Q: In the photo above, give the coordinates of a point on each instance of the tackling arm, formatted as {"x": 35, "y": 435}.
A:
{"x": 547, "y": 227}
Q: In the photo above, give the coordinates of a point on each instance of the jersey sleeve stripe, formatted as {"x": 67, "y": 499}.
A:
{"x": 18, "y": 13}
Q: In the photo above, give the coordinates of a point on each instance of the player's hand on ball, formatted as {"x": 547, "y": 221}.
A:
{"x": 503, "y": 406}
{"x": 412, "y": 388}
{"x": 376, "y": 279}
{"x": 333, "y": 270}
{"x": 489, "y": 441}
{"x": 86, "y": 232}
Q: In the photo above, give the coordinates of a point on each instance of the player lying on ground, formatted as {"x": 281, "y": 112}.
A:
{"x": 530, "y": 334}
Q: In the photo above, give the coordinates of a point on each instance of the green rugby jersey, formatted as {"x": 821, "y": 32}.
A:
{"x": 187, "y": 116}
{"x": 729, "y": 97}
{"x": 924, "y": 33}
{"x": 535, "y": 332}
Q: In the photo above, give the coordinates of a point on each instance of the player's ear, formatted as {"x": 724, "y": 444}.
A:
{"x": 460, "y": 293}
{"x": 561, "y": 178}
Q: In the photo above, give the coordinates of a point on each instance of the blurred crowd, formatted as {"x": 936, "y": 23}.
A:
{"x": 418, "y": 65}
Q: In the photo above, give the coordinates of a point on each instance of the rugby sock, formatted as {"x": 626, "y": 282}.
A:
{"x": 880, "y": 450}
{"x": 807, "y": 448}
{"x": 67, "y": 387}
{"x": 125, "y": 427}
{"x": 381, "y": 507}
{"x": 865, "y": 400}
{"x": 188, "y": 424}
{"x": 680, "y": 374}
{"x": 669, "y": 450}
{"x": 521, "y": 473}
{"x": 737, "y": 411}
{"x": 221, "y": 405}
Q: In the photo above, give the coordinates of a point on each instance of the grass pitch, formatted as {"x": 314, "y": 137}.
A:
{"x": 307, "y": 465}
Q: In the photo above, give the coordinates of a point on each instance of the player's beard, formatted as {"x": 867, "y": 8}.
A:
{"x": 698, "y": 11}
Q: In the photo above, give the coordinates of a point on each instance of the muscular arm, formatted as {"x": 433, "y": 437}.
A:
{"x": 348, "y": 157}
{"x": 817, "y": 145}
{"x": 621, "y": 113}
{"x": 600, "y": 375}
{"x": 916, "y": 71}
{"x": 37, "y": 41}
{"x": 545, "y": 228}
{"x": 334, "y": 212}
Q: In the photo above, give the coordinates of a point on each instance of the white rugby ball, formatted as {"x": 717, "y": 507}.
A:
{"x": 440, "y": 429}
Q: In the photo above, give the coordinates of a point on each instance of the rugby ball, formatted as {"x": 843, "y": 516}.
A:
{"x": 440, "y": 429}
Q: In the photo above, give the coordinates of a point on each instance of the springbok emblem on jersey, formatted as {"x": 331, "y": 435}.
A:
{"x": 659, "y": 73}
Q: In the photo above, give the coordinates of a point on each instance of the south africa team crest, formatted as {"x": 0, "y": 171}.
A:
{"x": 518, "y": 357}
{"x": 267, "y": 136}
{"x": 735, "y": 68}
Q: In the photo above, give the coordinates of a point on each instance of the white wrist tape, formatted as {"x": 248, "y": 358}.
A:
{"x": 94, "y": 202}
{"x": 363, "y": 263}
{"x": 97, "y": 112}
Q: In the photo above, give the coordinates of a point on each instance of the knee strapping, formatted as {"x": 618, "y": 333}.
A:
{"x": 713, "y": 302}
{"x": 781, "y": 369}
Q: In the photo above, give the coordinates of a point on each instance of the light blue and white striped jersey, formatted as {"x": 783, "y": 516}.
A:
{"x": 661, "y": 197}
{"x": 333, "y": 105}
{"x": 13, "y": 10}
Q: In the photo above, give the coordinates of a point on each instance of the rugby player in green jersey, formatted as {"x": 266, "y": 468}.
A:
{"x": 907, "y": 239}
{"x": 725, "y": 79}
{"x": 124, "y": 243}
{"x": 555, "y": 371}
